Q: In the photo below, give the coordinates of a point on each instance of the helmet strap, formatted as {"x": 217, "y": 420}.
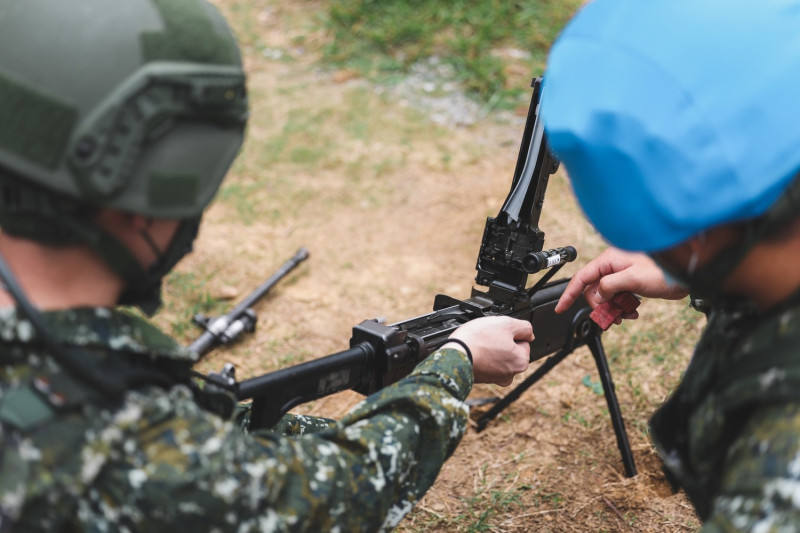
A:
{"x": 145, "y": 292}
{"x": 151, "y": 243}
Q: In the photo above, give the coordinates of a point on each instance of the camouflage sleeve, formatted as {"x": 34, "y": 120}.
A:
{"x": 178, "y": 467}
{"x": 290, "y": 424}
{"x": 761, "y": 482}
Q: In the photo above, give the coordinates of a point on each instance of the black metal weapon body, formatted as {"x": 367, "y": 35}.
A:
{"x": 511, "y": 250}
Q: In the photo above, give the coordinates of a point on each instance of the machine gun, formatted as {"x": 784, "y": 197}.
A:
{"x": 511, "y": 250}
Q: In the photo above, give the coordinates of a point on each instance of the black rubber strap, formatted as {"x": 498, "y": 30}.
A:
{"x": 463, "y": 345}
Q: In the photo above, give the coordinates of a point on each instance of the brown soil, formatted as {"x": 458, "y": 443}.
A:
{"x": 392, "y": 217}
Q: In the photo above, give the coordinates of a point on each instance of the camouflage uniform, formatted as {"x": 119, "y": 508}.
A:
{"x": 730, "y": 434}
{"x": 151, "y": 459}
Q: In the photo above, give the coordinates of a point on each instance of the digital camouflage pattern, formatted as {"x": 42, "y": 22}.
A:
{"x": 730, "y": 434}
{"x": 292, "y": 424}
{"x": 151, "y": 459}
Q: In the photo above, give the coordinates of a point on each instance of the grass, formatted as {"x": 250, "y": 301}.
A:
{"x": 480, "y": 40}
{"x": 486, "y": 506}
{"x": 352, "y": 140}
{"x": 187, "y": 295}
{"x": 482, "y": 508}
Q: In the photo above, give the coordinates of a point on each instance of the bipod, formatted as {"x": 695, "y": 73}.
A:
{"x": 599, "y": 354}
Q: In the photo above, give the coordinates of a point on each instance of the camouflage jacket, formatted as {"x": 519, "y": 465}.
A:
{"x": 148, "y": 458}
{"x": 730, "y": 433}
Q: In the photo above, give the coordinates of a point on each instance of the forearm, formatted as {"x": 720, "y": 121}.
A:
{"x": 389, "y": 450}
{"x": 366, "y": 471}
{"x": 383, "y": 456}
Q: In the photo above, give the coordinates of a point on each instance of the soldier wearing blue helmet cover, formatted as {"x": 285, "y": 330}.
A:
{"x": 677, "y": 122}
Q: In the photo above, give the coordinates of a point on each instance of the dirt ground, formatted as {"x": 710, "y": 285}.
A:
{"x": 391, "y": 207}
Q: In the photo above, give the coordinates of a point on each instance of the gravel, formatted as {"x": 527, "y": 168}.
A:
{"x": 432, "y": 87}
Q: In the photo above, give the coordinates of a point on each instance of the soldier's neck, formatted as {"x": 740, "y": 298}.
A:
{"x": 56, "y": 278}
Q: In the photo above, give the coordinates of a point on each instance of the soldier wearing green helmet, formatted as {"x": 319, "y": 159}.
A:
{"x": 677, "y": 124}
{"x": 118, "y": 122}
{"x": 89, "y": 122}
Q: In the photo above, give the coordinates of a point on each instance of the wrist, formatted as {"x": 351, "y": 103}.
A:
{"x": 458, "y": 344}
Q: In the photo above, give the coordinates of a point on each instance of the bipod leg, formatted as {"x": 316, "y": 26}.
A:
{"x": 596, "y": 346}
{"x": 505, "y": 401}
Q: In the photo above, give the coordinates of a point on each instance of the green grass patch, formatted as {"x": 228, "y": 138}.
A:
{"x": 479, "y": 39}
{"x": 187, "y": 295}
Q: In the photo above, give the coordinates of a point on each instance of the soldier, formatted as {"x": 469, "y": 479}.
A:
{"x": 118, "y": 121}
{"x": 677, "y": 122}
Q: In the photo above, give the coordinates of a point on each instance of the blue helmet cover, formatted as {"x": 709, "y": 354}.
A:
{"x": 674, "y": 116}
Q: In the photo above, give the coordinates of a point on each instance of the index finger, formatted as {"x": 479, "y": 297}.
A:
{"x": 585, "y": 277}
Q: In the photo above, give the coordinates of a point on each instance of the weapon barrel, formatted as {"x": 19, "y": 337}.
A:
{"x": 204, "y": 343}
{"x": 300, "y": 255}
{"x": 216, "y": 327}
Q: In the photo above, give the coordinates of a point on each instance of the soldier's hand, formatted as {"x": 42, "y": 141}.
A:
{"x": 499, "y": 345}
{"x": 615, "y": 271}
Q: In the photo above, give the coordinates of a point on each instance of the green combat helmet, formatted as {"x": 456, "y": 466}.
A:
{"x": 138, "y": 106}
